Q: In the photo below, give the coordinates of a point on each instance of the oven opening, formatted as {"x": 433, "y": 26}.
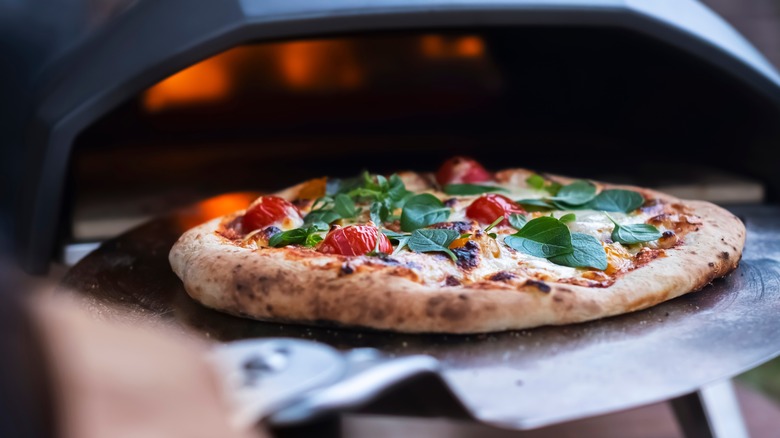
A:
{"x": 590, "y": 102}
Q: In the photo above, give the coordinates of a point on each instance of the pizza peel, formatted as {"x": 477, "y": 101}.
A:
{"x": 519, "y": 379}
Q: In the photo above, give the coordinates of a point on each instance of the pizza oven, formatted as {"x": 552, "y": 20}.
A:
{"x": 147, "y": 107}
{"x": 172, "y": 101}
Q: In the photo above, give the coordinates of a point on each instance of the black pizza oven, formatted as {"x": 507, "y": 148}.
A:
{"x": 171, "y": 101}
{"x": 115, "y": 112}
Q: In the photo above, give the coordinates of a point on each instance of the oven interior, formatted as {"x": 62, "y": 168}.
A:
{"x": 595, "y": 102}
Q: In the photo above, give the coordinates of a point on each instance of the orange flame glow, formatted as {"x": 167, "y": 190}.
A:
{"x": 204, "y": 82}
{"x": 318, "y": 65}
{"x": 439, "y": 46}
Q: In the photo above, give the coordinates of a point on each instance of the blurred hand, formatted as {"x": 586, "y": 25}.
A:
{"x": 120, "y": 380}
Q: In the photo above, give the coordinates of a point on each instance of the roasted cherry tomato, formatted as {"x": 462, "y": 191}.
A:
{"x": 462, "y": 170}
{"x": 488, "y": 208}
{"x": 355, "y": 240}
{"x": 271, "y": 210}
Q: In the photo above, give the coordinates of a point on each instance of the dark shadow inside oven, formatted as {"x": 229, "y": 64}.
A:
{"x": 590, "y": 102}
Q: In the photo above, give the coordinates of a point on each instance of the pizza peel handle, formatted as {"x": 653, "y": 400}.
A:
{"x": 287, "y": 382}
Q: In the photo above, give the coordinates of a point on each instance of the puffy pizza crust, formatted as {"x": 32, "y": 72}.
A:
{"x": 299, "y": 285}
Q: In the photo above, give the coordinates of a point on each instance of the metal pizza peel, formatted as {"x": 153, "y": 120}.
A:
{"x": 519, "y": 379}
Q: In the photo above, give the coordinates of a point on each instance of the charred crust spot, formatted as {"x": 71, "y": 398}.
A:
{"x": 455, "y": 313}
{"x": 711, "y": 265}
{"x": 269, "y": 308}
{"x": 385, "y": 259}
{"x": 451, "y": 281}
{"x": 463, "y": 297}
{"x": 228, "y": 233}
{"x": 557, "y": 299}
{"x": 347, "y": 269}
{"x": 433, "y": 303}
{"x": 459, "y": 226}
{"x": 668, "y": 233}
{"x": 540, "y": 285}
{"x": 502, "y": 276}
{"x": 724, "y": 255}
{"x": 378, "y": 313}
{"x": 646, "y": 255}
{"x": 447, "y": 307}
{"x": 468, "y": 255}
{"x": 239, "y": 286}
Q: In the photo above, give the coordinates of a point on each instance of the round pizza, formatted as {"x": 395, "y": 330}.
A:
{"x": 463, "y": 250}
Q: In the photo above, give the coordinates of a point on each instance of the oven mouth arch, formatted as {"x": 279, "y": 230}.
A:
{"x": 98, "y": 81}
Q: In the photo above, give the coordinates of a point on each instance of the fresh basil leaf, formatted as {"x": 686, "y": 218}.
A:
{"x": 423, "y": 210}
{"x": 323, "y": 216}
{"x": 381, "y": 181}
{"x": 378, "y": 213}
{"x": 290, "y": 237}
{"x": 401, "y": 238}
{"x": 588, "y": 253}
{"x": 517, "y": 221}
{"x": 471, "y": 189}
{"x": 312, "y": 239}
{"x": 569, "y": 217}
{"x": 343, "y": 185}
{"x": 576, "y": 193}
{"x": 397, "y": 192}
{"x": 553, "y": 188}
{"x": 535, "y": 204}
{"x": 495, "y": 222}
{"x": 344, "y": 206}
{"x": 535, "y": 181}
{"x": 542, "y": 237}
{"x": 618, "y": 200}
{"x": 433, "y": 240}
{"x": 636, "y": 233}
{"x": 321, "y": 203}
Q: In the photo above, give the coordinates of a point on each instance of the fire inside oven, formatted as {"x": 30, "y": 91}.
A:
{"x": 591, "y": 102}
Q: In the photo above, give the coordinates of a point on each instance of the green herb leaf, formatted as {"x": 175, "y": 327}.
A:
{"x": 378, "y": 213}
{"x": 321, "y": 216}
{"x": 535, "y": 181}
{"x": 624, "y": 201}
{"x": 335, "y": 186}
{"x": 495, "y": 222}
{"x": 588, "y": 253}
{"x": 344, "y": 206}
{"x": 298, "y": 236}
{"x": 636, "y": 233}
{"x": 517, "y": 221}
{"x": 576, "y": 193}
{"x": 396, "y": 192}
{"x": 553, "y": 188}
{"x": 401, "y": 238}
{"x": 569, "y": 217}
{"x": 539, "y": 183}
{"x": 471, "y": 189}
{"x": 423, "y": 210}
{"x": 433, "y": 240}
{"x": 535, "y": 204}
{"x": 312, "y": 239}
{"x": 542, "y": 237}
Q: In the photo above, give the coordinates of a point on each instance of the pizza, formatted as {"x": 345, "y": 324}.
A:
{"x": 461, "y": 250}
